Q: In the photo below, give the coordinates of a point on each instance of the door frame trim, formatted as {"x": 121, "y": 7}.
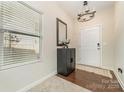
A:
{"x": 101, "y": 40}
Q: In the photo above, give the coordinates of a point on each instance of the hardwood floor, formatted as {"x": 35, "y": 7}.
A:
{"x": 93, "y": 82}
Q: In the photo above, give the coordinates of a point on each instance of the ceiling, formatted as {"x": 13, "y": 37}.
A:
{"x": 75, "y": 7}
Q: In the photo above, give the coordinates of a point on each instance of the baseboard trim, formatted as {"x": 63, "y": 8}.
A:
{"x": 104, "y": 67}
{"x": 119, "y": 80}
{"x": 26, "y": 88}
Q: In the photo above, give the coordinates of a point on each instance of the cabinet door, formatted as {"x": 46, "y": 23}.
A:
{"x": 61, "y": 61}
{"x": 72, "y": 59}
{"x": 68, "y": 53}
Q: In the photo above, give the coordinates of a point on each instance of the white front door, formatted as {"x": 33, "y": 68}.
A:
{"x": 91, "y": 46}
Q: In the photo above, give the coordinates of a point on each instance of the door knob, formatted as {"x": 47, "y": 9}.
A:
{"x": 98, "y": 46}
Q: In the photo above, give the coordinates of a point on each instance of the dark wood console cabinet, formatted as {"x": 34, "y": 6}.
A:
{"x": 65, "y": 60}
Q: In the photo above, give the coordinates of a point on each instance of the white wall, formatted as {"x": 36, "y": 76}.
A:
{"x": 16, "y": 78}
{"x": 119, "y": 40}
{"x": 105, "y": 18}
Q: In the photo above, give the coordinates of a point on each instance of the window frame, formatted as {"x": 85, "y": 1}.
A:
{"x": 28, "y": 34}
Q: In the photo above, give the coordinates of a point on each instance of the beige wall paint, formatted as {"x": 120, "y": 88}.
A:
{"x": 119, "y": 40}
{"x": 17, "y": 78}
{"x": 106, "y": 19}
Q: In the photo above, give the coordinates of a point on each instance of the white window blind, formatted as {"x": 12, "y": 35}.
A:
{"x": 19, "y": 33}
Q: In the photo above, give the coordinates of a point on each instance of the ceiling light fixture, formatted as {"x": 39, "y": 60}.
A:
{"x": 87, "y": 14}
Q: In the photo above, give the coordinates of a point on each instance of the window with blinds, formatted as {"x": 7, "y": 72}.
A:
{"x": 19, "y": 34}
